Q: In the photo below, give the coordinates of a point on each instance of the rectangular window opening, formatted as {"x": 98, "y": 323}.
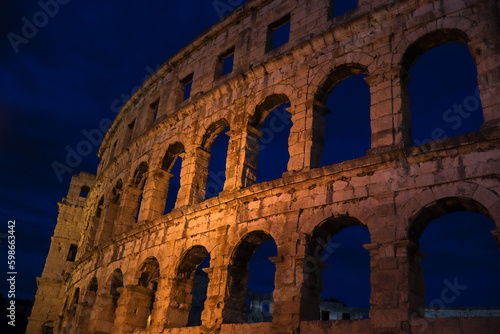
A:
{"x": 325, "y": 315}
{"x": 278, "y": 33}
{"x": 187, "y": 83}
{"x": 225, "y": 63}
{"x": 72, "y": 253}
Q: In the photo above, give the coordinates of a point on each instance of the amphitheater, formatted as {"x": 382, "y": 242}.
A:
{"x": 114, "y": 249}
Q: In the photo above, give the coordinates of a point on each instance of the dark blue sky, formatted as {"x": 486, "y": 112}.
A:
{"x": 68, "y": 77}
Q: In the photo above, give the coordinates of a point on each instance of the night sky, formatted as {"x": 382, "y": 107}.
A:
{"x": 73, "y": 72}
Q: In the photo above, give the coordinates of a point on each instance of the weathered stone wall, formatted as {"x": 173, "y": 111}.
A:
{"x": 394, "y": 191}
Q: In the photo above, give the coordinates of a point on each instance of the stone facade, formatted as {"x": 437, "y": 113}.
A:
{"x": 129, "y": 250}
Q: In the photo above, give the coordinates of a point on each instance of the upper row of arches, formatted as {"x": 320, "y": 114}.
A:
{"x": 158, "y": 102}
{"x": 342, "y": 117}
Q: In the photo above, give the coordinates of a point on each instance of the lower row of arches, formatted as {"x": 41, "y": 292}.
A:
{"x": 336, "y": 276}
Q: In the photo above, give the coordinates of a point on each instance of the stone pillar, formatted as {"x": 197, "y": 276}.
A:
{"x": 211, "y": 318}
{"x": 82, "y": 318}
{"x": 390, "y": 114}
{"x": 160, "y": 306}
{"x": 129, "y": 204}
{"x": 105, "y": 230}
{"x": 179, "y": 302}
{"x": 242, "y": 159}
{"x": 310, "y": 269}
{"x": 486, "y": 54}
{"x": 306, "y": 140}
{"x": 288, "y": 282}
{"x": 397, "y": 289}
{"x": 154, "y": 196}
{"x": 133, "y": 309}
{"x": 102, "y": 316}
{"x": 194, "y": 177}
{"x": 184, "y": 196}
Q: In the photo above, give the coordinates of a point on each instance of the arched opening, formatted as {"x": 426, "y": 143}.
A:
{"x": 337, "y": 271}
{"x": 145, "y": 293}
{"x": 267, "y": 148}
{"x": 172, "y": 163}
{"x": 141, "y": 196}
{"x": 439, "y": 90}
{"x": 342, "y": 108}
{"x": 138, "y": 182}
{"x": 190, "y": 283}
{"x": 249, "y": 297}
{"x": 215, "y": 143}
{"x": 444, "y": 94}
{"x": 458, "y": 270}
{"x": 199, "y": 293}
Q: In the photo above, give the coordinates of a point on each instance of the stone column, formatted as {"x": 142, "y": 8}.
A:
{"x": 129, "y": 204}
{"x": 390, "y": 114}
{"x": 310, "y": 270}
{"x": 102, "y": 316}
{"x": 154, "y": 196}
{"x": 194, "y": 177}
{"x": 242, "y": 157}
{"x": 288, "y": 282}
{"x": 133, "y": 309}
{"x": 306, "y": 139}
{"x": 397, "y": 289}
{"x": 160, "y": 306}
{"x": 105, "y": 230}
{"x": 179, "y": 302}
{"x": 82, "y": 318}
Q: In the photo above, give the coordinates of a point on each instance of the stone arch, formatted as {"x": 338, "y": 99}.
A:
{"x": 212, "y": 132}
{"x": 183, "y": 283}
{"x": 136, "y": 310}
{"x": 206, "y": 183}
{"x": 171, "y": 155}
{"x": 103, "y": 315}
{"x": 265, "y": 107}
{"x": 433, "y": 204}
{"x": 169, "y": 198}
{"x": 140, "y": 174}
{"x": 334, "y": 77}
{"x": 322, "y": 86}
{"x": 236, "y": 287}
{"x": 312, "y": 264}
{"x": 438, "y": 208}
{"x": 262, "y": 131}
